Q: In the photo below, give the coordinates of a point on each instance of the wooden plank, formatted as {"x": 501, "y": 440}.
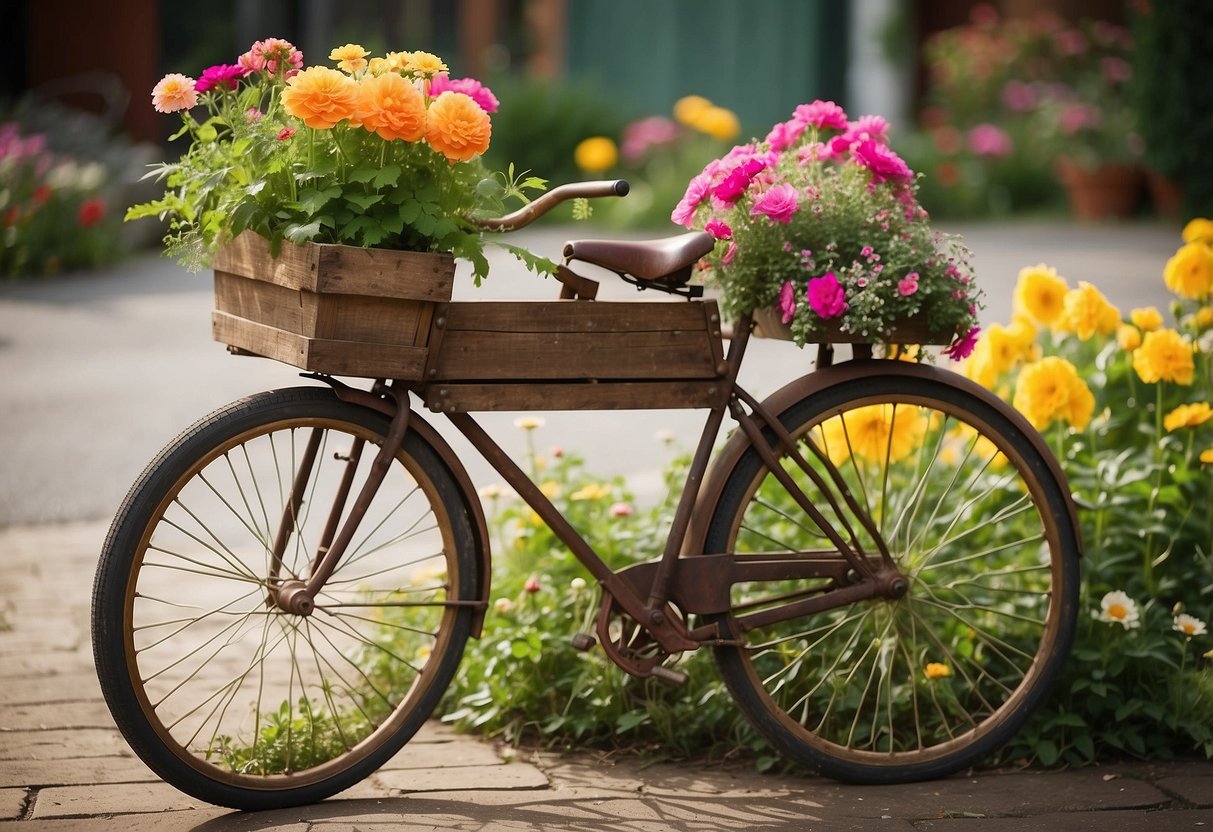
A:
{"x": 266, "y": 303}
{"x": 249, "y": 256}
{"x": 515, "y": 356}
{"x": 574, "y": 316}
{"x": 350, "y": 270}
{"x": 665, "y": 395}
{"x": 345, "y": 358}
{"x": 377, "y": 272}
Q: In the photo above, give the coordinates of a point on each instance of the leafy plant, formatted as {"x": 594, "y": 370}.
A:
{"x": 380, "y": 152}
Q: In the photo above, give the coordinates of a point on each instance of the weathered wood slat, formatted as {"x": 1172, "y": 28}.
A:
{"x": 343, "y": 358}
{"x": 664, "y": 395}
{"x": 571, "y": 316}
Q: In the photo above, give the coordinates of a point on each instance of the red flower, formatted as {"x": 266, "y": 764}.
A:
{"x": 91, "y": 212}
{"x": 41, "y": 194}
{"x": 531, "y": 585}
{"x": 285, "y": 133}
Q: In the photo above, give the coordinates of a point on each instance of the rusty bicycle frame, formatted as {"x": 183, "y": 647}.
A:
{"x": 656, "y": 596}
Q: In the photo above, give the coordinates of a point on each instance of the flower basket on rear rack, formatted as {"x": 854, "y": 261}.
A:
{"x": 820, "y": 235}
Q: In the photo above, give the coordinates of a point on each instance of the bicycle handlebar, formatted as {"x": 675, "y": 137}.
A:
{"x": 534, "y": 210}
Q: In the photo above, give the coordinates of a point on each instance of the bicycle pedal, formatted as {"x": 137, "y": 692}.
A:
{"x": 666, "y": 674}
{"x": 583, "y": 642}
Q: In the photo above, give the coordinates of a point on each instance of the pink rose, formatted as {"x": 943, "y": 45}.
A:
{"x": 787, "y": 302}
{"x": 777, "y": 204}
{"x": 989, "y": 140}
{"x": 825, "y": 114}
{"x": 697, "y": 190}
{"x": 908, "y": 285}
{"x": 735, "y": 184}
{"x": 729, "y": 254}
{"x": 826, "y": 296}
{"x": 785, "y": 134}
{"x": 470, "y": 87}
{"x": 220, "y": 75}
{"x": 718, "y": 229}
{"x": 884, "y": 164}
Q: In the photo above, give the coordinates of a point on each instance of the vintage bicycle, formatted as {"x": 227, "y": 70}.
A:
{"x": 883, "y": 556}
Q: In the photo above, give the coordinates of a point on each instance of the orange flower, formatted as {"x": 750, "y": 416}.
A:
{"x": 391, "y": 107}
{"x": 458, "y": 128}
{"x": 320, "y": 97}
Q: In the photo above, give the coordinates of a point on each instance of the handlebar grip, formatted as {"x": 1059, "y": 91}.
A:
{"x": 534, "y": 210}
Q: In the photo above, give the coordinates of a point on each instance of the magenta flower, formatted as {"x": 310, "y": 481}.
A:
{"x": 908, "y": 285}
{"x": 641, "y": 135}
{"x": 1018, "y": 97}
{"x": 784, "y": 134}
{"x": 777, "y": 204}
{"x": 718, "y": 229}
{"x": 963, "y": 347}
{"x": 735, "y": 184}
{"x": 729, "y": 254}
{"x": 826, "y": 296}
{"x": 787, "y": 302}
{"x": 470, "y": 87}
{"x": 821, "y": 114}
{"x": 220, "y": 75}
{"x": 697, "y": 190}
{"x": 989, "y": 140}
{"x": 884, "y": 164}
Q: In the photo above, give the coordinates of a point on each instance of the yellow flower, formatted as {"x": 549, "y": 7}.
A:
{"x": 593, "y": 491}
{"x": 350, "y": 58}
{"x": 529, "y": 422}
{"x": 1128, "y": 337}
{"x": 1050, "y": 389}
{"x": 423, "y": 64}
{"x": 320, "y": 97}
{"x": 1198, "y": 230}
{"x": 937, "y": 670}
{"x": 718, "y": 123}
{"x": 377, "y": 66}
{"x": 687, "y": 108}
{"x": 391, "y": 107}
{"x": 1164, "y": 355}
{"x": 1203, "y": 317}
{"x": 1146, "y": 318}
{"x": 1189, "y": 272}
{"x": 1188, "y": 416}
{"x": 1085, "y": 312}
{"x": 457, "y": 127}
{"x": 873, "y": 432}
{"x": 397, "y": 61}
{"x": 1206, "y": 456}
{"x": 549, "y": 489}
{"x": 596, "y": 154}
{"x": 1039, "y": 293}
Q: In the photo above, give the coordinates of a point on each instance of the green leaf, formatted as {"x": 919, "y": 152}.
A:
{"x": 311, "y": 200}
{"x": 301, "y": 233}
{"x": 386, "y": 176}
{"x": 363, "y": 202}
{"x": 630, "y": 720}
{"x": 362, "y": 174}
{"x": 1046, "y": 752}
{"x": 534, "y": 262}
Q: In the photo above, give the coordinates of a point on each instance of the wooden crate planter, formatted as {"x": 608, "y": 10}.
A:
{"x": 575, "y": 354}
{"x": 329, "y": 308}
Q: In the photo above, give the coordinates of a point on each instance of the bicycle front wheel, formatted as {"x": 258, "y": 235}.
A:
{"x": 897, "y": 690}
{"x": 219, "y": 690}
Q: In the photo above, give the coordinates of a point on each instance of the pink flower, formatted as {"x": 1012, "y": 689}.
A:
{"x": 1116, "y": 70}
{"x": 531, "y": 585}
{"x": 820, "y": 114}
{"x": 641, "y": 135}
{"x": 784, "y": 134}
{"x": 270, "y": 55}
{"x": 174, "y": 92}
{"x": 826, "y": 296}
{"x": 697, "y": 190}
{"x": 963, "y": 347}
{"x": 220, "y": 75}
{"x": 787, "y": 302}
{"x": 718, "y": 229}
{"x": 989, "y": 140}
{"x": 729, "y": 254}
{"x": 470, "y": 87}
{"x": 1077, "y": 117}
{"x": 1018, "y": 97}
{"x": 252, "y": 115}
{"x": 286, "y": 133}
{"x": 777, "y": 204}
{"x": 884, "y": 164}
{"x": 620, "y": 510}
{"x": 908, "y": 285}
{"x": 735, "y": 184}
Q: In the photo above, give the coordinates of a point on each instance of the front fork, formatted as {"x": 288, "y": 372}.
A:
{"x": 297, "y": 596}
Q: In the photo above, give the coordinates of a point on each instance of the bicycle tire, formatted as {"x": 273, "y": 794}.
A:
{"x": 893, "y": 691}
{"x": 221, "y": 693}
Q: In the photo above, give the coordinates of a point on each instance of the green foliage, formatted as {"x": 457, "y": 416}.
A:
{"x": 1170, "y": 62}
{"x": 523, "y": 680}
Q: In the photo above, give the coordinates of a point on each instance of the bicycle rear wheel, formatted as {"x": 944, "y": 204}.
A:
{"x": 221, "y": 692}
{"x": 897, "y": 690}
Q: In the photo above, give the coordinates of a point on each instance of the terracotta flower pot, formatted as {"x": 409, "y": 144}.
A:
{"x": 1101, "y": 193}
{"x": 1166, "y": 194}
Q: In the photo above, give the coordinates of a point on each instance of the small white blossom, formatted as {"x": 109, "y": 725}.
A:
{"x": 1189, "y": 625}
{"x": 1118, "y": 608}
